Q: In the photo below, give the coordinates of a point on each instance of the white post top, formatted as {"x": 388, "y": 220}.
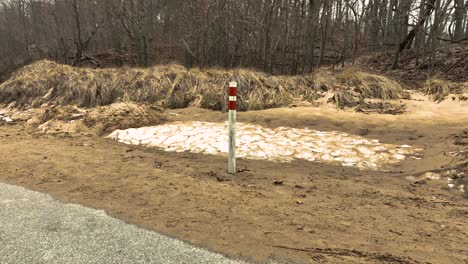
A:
{"x": 233, "y": 84}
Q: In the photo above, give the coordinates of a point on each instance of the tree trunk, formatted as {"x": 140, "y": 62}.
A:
{"x": 409, "y": 38}
{"x": 78, "y": 41}
{"x": 374, "y": 25}
{"x": 459, "y": 16}
{"x": 323, "y": 31}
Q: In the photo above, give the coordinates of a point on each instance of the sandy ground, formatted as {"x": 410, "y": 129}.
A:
{"x": 299, "y": 212}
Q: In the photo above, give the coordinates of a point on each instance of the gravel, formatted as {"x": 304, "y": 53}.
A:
{"x": 35, "y": 228}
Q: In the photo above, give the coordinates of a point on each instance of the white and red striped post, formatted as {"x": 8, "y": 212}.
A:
{"x": 232, "y": 127}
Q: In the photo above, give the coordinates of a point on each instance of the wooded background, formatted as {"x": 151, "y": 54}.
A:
{"x": 276, "y": 36}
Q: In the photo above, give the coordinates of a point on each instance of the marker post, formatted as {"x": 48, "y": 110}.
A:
{"x": 232, "y": 127}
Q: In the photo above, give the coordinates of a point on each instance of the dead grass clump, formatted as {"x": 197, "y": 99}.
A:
{"x": 212, "y": 98}
{"x": 440, "y": 89}
{"x": 312, "y": 86}
{"x": 52, "y": 83}
{"x": 32, "y": 81}
{"x": 277, "y": 92}
{"x": 369, "y": 85}
{"x": 46, "y": 82}
{"x": 323, "y": 80}
{"x": 212, "y": 92}
{"x": 174, "y": 86}
{"x": 343, "y": 97}
{"x": 183, "y": 88}
{"x": 259, "y": 91}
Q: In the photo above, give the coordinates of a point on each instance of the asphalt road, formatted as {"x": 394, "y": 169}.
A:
{"x": 35, "y": 228}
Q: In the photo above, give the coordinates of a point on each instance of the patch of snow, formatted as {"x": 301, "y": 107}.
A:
{"x": 276, "y": 144}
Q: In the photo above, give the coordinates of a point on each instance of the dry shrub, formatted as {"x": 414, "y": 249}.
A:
{"x": 260, "y": 91}
{"x": 46, "y": 82}
{"x": 182, "y": 91}
{"x": 309, "y": 87}
{"x": 440, "y": 89}
{"x": 212, "y": 97}
{"x": 323, "y": 80}
{"x": 49, "y": 82}
{"x": 212, "y": 92}
{"x": 369, "y": 85}
{"x": 343, "y": 97}
{"x": 174, "y": 86}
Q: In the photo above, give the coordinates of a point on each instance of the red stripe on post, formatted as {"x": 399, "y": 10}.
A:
{"x": 232, "y": 91}
{"x": 232, "y": 105}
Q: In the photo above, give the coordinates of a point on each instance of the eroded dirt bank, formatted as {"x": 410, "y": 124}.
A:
{"x": 299, "y": 212}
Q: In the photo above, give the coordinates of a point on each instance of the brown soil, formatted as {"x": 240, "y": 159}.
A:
{"x": 95, "y": 121}
{"x": 381, "y": 108}
{"x": 106, "y": 119}
{"x": 300, "y": 212}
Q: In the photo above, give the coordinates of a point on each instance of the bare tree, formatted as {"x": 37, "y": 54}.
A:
{"x": 459, "y": 16}
{"x": 277, "y": 36}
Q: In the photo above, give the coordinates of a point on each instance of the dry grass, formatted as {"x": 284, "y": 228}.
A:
{"x": 369, "y": 85}
{"x": 440, "y": 89}
{"x": 343, "y": 98}
{"x": 46, "y": 82}
{"x": 352, "y": 86}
